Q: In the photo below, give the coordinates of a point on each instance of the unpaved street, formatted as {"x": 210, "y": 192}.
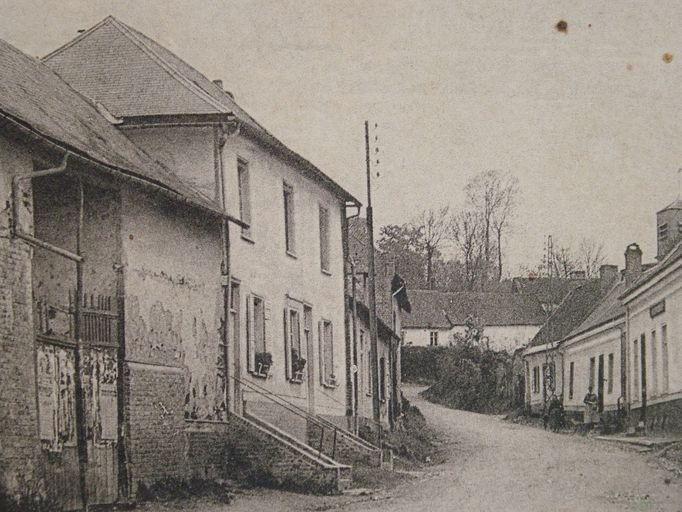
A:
{"x": 495, "y": 465}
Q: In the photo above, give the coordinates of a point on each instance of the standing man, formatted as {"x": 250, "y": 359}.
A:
{"x": 591, "y": 415}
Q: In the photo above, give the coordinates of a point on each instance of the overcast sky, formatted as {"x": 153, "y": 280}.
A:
{"x": 589, "y": 121}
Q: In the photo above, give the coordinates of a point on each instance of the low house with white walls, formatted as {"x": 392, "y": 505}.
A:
{"x": 593, "y": 355}
{"x": 542, "y": 359}
{"x": 280, "y": 318}
{"x": 653, "y": 304}
{"x": 508, "y": 320}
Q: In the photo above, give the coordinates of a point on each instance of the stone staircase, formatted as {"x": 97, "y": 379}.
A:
{"x": 270, "y": 456}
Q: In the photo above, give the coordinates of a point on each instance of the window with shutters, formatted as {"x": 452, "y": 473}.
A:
{"x": 259, "y": 358}
{"x": 609, "y": 384}
{"x": 244, "y": 197}
{"x": 571, "y": 374}
{"x": 654, "y": 364}
{"x": 635, "y": 371}
{"x": 327, "y": 373}
{"x": 593, "y": 369}
{"x": 289, "y": 225}
{"x": 324, "y": 240}
{"x": 665, "y": 372}
{"x": 382, "y": 379}
{"x": 294, "y": 349}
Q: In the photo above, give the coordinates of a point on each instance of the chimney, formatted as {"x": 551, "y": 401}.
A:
{"x": 607, "y": 276}
{"x": 218, "y": 82}
{"x": 633, "y": 263}
{"x": 577, "y": 274}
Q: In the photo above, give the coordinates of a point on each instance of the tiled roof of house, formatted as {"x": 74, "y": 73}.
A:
{"x": 572, "y": 311}
{"x": 544, "y": 289}
{"x": 32, "y": 95}
{"x": 610, "y": 307}
{"x": 135, "y": 77}
{"x": 649, "y": 273}
{"x": 435, "y": 309}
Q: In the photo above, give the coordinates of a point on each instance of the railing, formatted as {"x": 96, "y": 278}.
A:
{"x": 99, "y": 320}
{"x": 326, "y": 427}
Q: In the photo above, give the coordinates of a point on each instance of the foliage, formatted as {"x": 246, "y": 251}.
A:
{"x": 413, "y": 438}
{"x": 170, "y": 489}
{"x": 31, "y": 498}
{"x": 466, "y": 375}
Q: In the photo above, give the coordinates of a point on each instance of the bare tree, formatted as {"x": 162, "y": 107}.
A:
{"x": 563, "y": 260}
{"x": 493, "y": 195}
{"x": 433, "y": 226}
{"x": 591, "y": 257}
{"x": 467, "y": 235}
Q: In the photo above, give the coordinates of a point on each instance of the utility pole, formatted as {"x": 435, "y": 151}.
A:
{"x": 374, "y": 353}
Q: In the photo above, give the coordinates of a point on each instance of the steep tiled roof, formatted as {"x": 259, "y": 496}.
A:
{"x": 429, "y": 310}
{"x": 610, "y": 307}
{"x": 134, "y": 76}
{"x": 34, "y": 96}
{"x": 572, "y": 311}
{"x": 445, "y": 309}
{"x": 544, "y": 289}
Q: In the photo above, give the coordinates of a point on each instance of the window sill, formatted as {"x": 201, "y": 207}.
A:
{"x": 296, "y": 381}
{"x": 258, "y": 375}
{"x": 325, "y": 272}
{"x": 292, "y": 255}
{"x": 329, "y": 385}
{"x": 247, "y": 238}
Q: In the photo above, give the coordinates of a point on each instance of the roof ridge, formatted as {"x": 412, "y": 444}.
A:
{"x": 136, "y": 38}
{"x": 76, "y": 39}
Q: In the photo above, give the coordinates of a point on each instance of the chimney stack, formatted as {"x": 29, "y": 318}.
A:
{"x": 633, "y": 263}
{"x": 607, "y": 276}
{"x": 218, "y": 82}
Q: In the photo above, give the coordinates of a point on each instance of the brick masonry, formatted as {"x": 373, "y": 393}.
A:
{"x": 255, "y": 449}
{"x": 661, "y": 417}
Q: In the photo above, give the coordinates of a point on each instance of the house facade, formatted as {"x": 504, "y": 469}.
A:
{"x": 507, "y": 320}
{"x": 654, "y": 357}
{"x": 393, "y": 303}
{"x": 286, "y": 317}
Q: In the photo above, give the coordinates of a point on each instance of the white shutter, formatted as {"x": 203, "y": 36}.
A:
{"x": 287, "y": 358}
{"x": 250, "y": 335}
{"x": 320, "y": 341}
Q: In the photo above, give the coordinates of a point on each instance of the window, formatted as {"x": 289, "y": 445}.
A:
{"x": 327, "y": 375}
{"x": 609, "y": 386}
{"x": 295, "y": 363}
{"x": 259, "y": 358}
{"x": 382, "y": 379}
{"x": 663, "y": 231}
{"x": 654, "y": 365}
{"x": 324, "y": 239}
{"x": 289, "y": 231}
{"x": 665, "y": 384}
{"x": 593, "y": 367}
{"x": 244, "y": 196}
{"x": 571, "y": 375}
{"x": 433, "y": 338}
{"x": 679, "y": 226}
{"x": 536, "y": 379}
{"x": 635, "y": 370}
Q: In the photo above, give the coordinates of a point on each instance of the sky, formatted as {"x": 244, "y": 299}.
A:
{"x": 588, "y": 120}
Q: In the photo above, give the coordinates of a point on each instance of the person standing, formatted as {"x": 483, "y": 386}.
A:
{"x": 591, "y": 414}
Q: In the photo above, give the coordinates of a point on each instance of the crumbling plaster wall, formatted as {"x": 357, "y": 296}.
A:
{"x": 173, "y": 322}
{"x": 20, "y": 454}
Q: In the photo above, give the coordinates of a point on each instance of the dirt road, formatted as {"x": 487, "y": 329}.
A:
{"x": 497, "y": 466}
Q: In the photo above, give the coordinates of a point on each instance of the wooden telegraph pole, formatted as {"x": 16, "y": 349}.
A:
{"x": 373, "y": 356}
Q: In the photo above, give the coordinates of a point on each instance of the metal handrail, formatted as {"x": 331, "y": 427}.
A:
{"x": 316, "y": 420}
